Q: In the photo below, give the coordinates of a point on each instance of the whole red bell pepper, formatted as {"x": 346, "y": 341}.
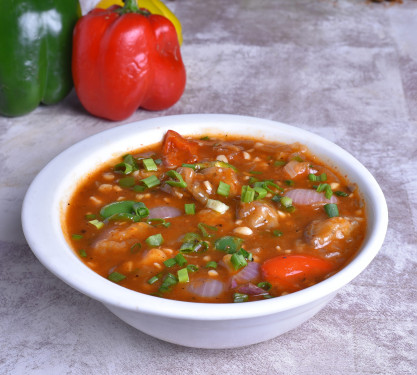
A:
{"x": 125, "y": 58}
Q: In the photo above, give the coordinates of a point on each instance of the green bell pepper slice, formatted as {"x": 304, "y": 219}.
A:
{"x": 35, "y": 53}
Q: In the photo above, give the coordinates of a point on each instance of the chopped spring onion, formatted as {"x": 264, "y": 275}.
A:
{"x": 180, "y": 259}
{"x": 290, "y": 182}
{"x": 127, "y": 181}
{"x": 223, "y": 189}
{"x": 313, "y": 177}
{"x": 211, "y": 264}
{"x": 120, "y": 207}
{"x": 82, "y": 253}
{"x": 150, "y": 165}
{"x": 217, "y": 206}
{"x": 286, "y": 202}
{"x": 98, "y": 224}
{"x": 151, "y": 181}
{"x": 179, "y": 183}
{"x": 267, "y": 184}
{"x": 140, "y": 209}
{"x": 155, "y": 240}
{"x": 139, "y": 188}
{"x": 277, "y": 233}
{"x": 327, "y": 190}
{"x": 189, "y": 208}
{"x": 203, "y": 227}
{"x": 222, "y": 164}
{"x": 77, "y": 236}
{"x": 170, "y": 262}
{"x": 128, "y": 165}
{"x": 297, "y": 158}
{"x": 255, "y": 172}
{"x": 135, "y": 248}
{"x": 168, "y": 281}
{"x": 192, "y": 268}
{"x": 228, "y": 244}
{"x": 279, "y": 163}
{"x": 276, "y": 198}
{"x": 190, "y": 237}
{"x": 331, "y": 210}
{"x": 116, "y": 277}
{"x": 183, "y": 275}
{"x": 238, "y": 261}
{"x": 264, "y": 285}
{"x": 341, "y": 193}
{"x": 260, "y": 192}
{"x": 247, "y": 194}
{"x": 239, "y": 297}
{"x": 247, "y": 255}
{"x": 155, "y": 222}
{"x": 192, "y": 166}
{"x": 188, "y": 247}
{"x": 153, "y": 279}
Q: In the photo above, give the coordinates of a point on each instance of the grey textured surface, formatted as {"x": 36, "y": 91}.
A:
{"x": 346, "y": 70}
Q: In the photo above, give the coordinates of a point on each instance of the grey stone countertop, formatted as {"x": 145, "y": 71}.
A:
{"x": 345, "y": 70}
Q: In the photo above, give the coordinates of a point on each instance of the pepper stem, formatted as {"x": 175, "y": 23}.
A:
{"x": 131, "y": 6}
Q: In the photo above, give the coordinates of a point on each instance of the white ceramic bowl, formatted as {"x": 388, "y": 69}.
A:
{"x": 187, "y": 323}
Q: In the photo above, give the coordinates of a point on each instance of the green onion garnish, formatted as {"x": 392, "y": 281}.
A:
{"x": 203, "y": 227}
{"x": 180, "y": 259}
{"x": 135, "y": 248}
{"x": 277, "y": 233}
{"x": 290, "y": 182}
{"x": 279, "y": 163}
{"x": 116, "y": 277}
{"x": 140, "y": 209}
{"x": 211, "y": 264}
{"x": 151, "y": 181}
{"x": 205, "y": 138}
{"x": 183, "y": 275}
{"x": 170, "y": 262}
{"x": 223, "y": 189}
{"x": 139, "y": 188}
{"x": 341, "y": 193}
{"x": 247, "y": 255}
{"x": 189, "y": 208}
{"x": 260, "y": 192}
{"x": 149, "y": 165}
{"x": 255, "y": 172}
{"x": 239, "y": 297}
{"x": 228, "y": 244}
{"x": 192, "y": 166}
{"x": 238, "y": 261}
{"x": 297, "y": 158}
{"x": 331, "y": 210}
{"x": 180, "y": 181}
{"x": 127, "y": 181}
{"x": 128, "y": 166}
{"x": 217, "y": 206}
{"x": 313, "y": 177}
{"x": 192, "y": 268}
{"x": 264, "y": 285}
{"x": 169, "y": 281}
{"x": 155, "y": 240}
{"x": 286, "y": 202}
{"x": 153, "y": 279}
{"x": 82, "y": 253}
{"x": 76, "y": 236}
{"x": 247, "y": 194}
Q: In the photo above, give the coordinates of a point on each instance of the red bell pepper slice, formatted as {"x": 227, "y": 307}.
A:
{"x": 126, "y": 58}
{"x": 290, "y": 271}
{"x": 176, "y": 150}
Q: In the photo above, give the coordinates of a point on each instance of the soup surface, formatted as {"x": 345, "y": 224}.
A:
{"x": 216, "y": 219}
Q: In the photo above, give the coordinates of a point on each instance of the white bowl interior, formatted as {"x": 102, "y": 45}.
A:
{"x": 44, "y": 206}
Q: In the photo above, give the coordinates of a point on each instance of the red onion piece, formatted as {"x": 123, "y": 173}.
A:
{"x": 206, "y": 287}
{"x": 250, "y": 272}
{"x": 305, "y": 197}
{"x": 251, "y": 289}
{"x": 163, "y": 212}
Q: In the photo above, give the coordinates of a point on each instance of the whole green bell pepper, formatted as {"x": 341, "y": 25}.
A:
{"x": 35, "y": 53}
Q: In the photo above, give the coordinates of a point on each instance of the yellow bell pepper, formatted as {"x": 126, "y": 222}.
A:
{"x": 154, "y": 6}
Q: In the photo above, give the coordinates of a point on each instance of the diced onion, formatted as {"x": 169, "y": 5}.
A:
{"x": 206, "y": 287}
{"x": 250, "y": 272}
{"x": 163, "y": 212}
{"x": 305, "y": 197}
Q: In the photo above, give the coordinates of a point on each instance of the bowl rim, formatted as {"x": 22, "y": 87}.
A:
{"x": 42, "y": 206}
